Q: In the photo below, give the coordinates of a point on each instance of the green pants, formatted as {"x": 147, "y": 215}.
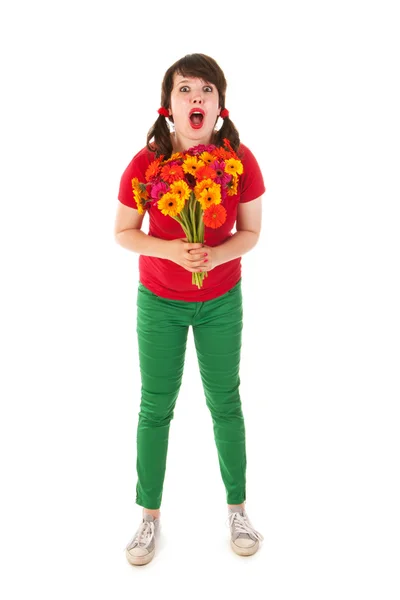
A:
{"x": 162, "y": 329}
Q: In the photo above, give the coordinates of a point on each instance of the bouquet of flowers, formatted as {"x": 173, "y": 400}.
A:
{"x": 192, "y": 188}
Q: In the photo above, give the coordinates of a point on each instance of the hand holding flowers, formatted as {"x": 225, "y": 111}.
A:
{"x": 189, "y": 256}
{"x": 209, "y": 255}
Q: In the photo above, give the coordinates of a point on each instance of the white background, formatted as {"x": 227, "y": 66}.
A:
{"x": 313, "y": 90}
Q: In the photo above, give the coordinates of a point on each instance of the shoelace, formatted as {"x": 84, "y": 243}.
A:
{"x": 242, "y": 524}
{"x": 143, "y": 536}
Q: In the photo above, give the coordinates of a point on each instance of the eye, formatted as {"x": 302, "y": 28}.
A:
{"x": 184, "y": 88}
{"x": 207, "y": 88}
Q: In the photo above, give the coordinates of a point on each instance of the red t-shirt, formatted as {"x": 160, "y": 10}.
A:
{"x": 168, "y": 279}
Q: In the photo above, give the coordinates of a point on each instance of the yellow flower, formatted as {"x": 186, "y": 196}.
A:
{"x": 136, "y": 195}
{"x": 233, "y": 166}
{"x": 140, "y": 198}
{"x": 191, "y": 164}
{"x": 171, "y": 204}
{"x": 209, "y": 196}
{"x": 140, "y": 195}
{"x": 173, "y": 157}
{"x": 203, "y": 185}
{"x": 232, "y": 190}
{"x": 207, "y": 157}
{"x": 135, "y": 183}
{"x": 181, "y": 188}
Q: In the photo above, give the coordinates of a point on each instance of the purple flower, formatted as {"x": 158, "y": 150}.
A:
{"x": 222, "y": 177}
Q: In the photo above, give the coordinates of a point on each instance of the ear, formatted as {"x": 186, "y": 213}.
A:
{"x": 170, "y": 112}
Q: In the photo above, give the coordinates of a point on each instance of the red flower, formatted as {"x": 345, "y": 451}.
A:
{"x": 223, "y": 154}
{"x": 214, "y": 216}
{"x": 205, "y": 172}
{"x": 172, "y": 172}
{"x": 152, "y": 169}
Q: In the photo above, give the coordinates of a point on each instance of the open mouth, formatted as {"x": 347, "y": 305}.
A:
{"x": 196, "y": 118}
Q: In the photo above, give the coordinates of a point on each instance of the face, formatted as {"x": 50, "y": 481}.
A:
{"x": 195, "y": 109}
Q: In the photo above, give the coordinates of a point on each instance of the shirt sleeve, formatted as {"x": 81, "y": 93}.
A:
{"x": 136, "y": 168}
{"x": 251, "y": 182}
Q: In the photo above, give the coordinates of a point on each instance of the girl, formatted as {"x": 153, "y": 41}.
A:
{"x": 192, "y": 101}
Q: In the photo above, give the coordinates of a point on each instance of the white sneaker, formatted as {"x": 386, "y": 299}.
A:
{"x": 141, "y": 548}
{"x": 245, "y": 540}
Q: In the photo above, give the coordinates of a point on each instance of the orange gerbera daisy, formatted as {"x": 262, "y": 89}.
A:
{"x": 170, "y": 204}
{"x": 232, "y": 188}
{"x": 205, "y": 172}
{"x": 207, "y": 158}
{"x": 211, "y": 195}
{"x": 152, "y": 170}
{"x": 214, "y": 216}
{"x": 222, "y": 153}
{"x": 173, "y": 157}
{"x": 230, "y": 153}
{"x": 172, "y": 172}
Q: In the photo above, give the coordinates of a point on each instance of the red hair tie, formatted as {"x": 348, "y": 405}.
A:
{"x": 224, "y": 113}
{"x": 163, "y": 111}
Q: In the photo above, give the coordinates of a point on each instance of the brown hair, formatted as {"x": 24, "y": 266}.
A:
{"x": 205, "y": 68}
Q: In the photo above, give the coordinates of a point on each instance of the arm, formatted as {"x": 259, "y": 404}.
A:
{"x": 128, "y": 234}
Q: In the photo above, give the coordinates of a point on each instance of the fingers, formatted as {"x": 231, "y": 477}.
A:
{"x": 200, "y": 255}
{"x": 195, "y": 265}
{"x": 193, "y": 246}
{"x": 197, "y": 255}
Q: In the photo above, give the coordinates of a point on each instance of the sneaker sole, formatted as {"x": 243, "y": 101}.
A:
{"x": 245, "y": 551}
{"x": 139, "y": 560}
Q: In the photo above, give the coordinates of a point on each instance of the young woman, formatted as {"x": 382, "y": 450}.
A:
{"x": 168, "y": 303}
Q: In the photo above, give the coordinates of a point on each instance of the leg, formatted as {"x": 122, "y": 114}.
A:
{"x": 162, "y": 345}
{"x": 218, "y": 337}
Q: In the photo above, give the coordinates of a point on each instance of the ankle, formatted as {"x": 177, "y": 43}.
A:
{"x": 154, "y": 513}
{"x": 236, "y": 505}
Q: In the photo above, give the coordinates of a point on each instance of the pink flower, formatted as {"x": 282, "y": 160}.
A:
{"x": 158, "y": 190}
{"x": 196, "y": 150}
{"x": 222, "y": 176}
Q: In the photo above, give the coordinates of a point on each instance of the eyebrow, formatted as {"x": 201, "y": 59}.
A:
{"x": 187, "y": 81}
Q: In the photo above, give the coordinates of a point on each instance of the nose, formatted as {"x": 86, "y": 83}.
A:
{"x": 197, "y": 99}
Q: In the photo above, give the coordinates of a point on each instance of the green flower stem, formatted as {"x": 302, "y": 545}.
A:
{"x": 183, "y": 225}
{"x": 191, "y": 220}
{"x": 184, "y": 216}
{"x": 193, "y": 217}
{"x": 197, "y": 278}
{"x": 200, "y": 226}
